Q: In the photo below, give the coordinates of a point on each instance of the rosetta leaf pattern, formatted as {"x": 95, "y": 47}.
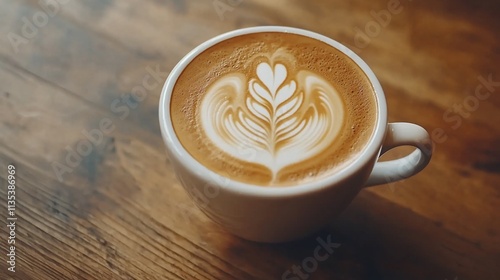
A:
{"x": 282, "y": 118}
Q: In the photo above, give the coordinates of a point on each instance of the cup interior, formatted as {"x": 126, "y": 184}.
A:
{"x": 175, "y": 148}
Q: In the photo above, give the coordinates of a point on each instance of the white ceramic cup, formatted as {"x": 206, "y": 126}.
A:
{"x": 278, "y": 214}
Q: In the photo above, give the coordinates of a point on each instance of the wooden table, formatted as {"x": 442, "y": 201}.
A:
{"x": 66, "y": 74}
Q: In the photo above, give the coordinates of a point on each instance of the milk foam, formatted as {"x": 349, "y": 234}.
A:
{"x": 273, "y": 109}
{"x": 275, "y": 117}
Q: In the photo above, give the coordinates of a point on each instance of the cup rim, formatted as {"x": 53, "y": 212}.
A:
{"x": 177, "y": 150}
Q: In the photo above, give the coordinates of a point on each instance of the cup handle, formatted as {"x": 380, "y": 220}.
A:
{"x": 399, "y": 134}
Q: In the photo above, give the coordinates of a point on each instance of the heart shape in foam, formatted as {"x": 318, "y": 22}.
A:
{"x": 273, "y": 119}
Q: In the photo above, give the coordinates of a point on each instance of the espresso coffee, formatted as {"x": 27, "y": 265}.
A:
{"x": 273, "y": 109}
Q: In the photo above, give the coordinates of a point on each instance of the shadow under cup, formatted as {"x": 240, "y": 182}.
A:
{"x": 277, "y": 214}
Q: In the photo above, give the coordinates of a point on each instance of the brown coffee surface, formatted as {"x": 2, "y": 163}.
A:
{"x": 273, "y": 109}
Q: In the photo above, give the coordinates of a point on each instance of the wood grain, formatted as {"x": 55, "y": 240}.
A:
{"x": 120, "y": 213}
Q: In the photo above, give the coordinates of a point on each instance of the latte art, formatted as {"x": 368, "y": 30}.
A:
{"x": 273, "y": 109}
{"x": 278, "y": 117}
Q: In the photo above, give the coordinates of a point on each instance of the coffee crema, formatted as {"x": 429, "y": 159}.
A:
{"x": 273, "y": 109}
